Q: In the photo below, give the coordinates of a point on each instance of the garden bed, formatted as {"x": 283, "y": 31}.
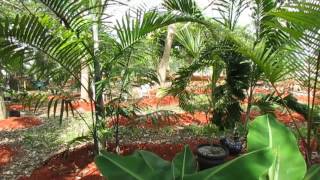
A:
{"x": 79, "y": 164}
{"x": 7, "y": 153}
{"x": 184, "y": 119}
{"x": 154, "y": 101}
{"x": 14, "y": 123}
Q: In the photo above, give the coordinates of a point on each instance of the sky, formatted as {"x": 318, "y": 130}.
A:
{"x": 118, "y": 11}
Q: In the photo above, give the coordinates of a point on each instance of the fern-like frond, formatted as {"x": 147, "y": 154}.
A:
{"x": 28, "y": 33}
{"x": 188, "y": 7}
{"x": 192, "y": 41}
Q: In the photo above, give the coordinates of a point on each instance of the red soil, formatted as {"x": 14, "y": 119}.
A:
{"x": 17, "y": 107}
{"x": 304, "y": 99}
{"x": 82, "y": 105}
{"x": 283, "y": 117}
{"x": 154, "y": 102}
{"x": 200, "y": 91}
{"x": 6, "y": 154}
{"x": 198, "y": 118}
{"x": 13, "y": 123}
{"x": 262, "y": 91}
{"x": 59, "y": 167}
{"x": 79, "y": 163}
{"x": 174, "y": 120}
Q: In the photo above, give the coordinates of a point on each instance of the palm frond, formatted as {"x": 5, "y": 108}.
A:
{"x": 28, "y": 33}
{"x": 274, "y": 64}
{"x": 188, "y": 7}
{"x": 157, "y": 117}
{"x": 230, "y": 11}
{"x": 265, "y": 23}
{"x": 192, "y": 41}
{"x": 75, "y": 15}
{"x": 302, "y": 23}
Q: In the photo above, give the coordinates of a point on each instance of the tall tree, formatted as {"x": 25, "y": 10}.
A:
{"x": 164, "y": 61}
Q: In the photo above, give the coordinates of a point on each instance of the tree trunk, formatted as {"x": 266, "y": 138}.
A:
{"x": 164, "y": 61}
{"x": 84, "y": 94}
{"x": 99, "y": 109}
{"x": 3, "y": 110}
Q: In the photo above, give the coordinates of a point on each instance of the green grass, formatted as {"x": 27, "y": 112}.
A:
{"x": 51, "y": 135}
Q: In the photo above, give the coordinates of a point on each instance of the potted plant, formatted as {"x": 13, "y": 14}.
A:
{"x": 209, "y": 155}
{"x": 234, "y": 143}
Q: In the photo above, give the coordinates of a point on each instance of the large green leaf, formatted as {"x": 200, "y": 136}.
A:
{"x": 249, "y": 166}
{"x": 184, "y": 163}
{"x": 313, "y": 173}
{"x": 141, "y": 165}
{"x": 265, "y": 131}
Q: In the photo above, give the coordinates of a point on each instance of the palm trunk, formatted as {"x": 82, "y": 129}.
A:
{"x": 3, "y": 109}
{"x": 84, "y": 94}
{"x": 310, "y": 114}
{"x": 164, "y": 61}
{"x": 99, "y": 110}
{"x": 251, "y": 91}
{"x": 248, "y": 111}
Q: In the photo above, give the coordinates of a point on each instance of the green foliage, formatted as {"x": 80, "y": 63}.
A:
{"x": 265, "y": 103}
{"x": 230, "y": 11}
{"x": 265, "y": 21}
{"x": 70, "y": 13}
{"x": 266, "y": 131}
{"x": 227, "y": 109}
{"x": 303, "y": 18}
{"x": 192, "y": 41}
{"x": 29, "y": 30}
{"x": 273, "y": 63}
{"x": 230, "y": 170}
{"x": 141, "y": 165}
{"x": 209, "y": 130}
{"x": 184, "y": 163}
{"x": 182, "y": 167}
{"x": 313, "y": 173}
{"x": 189, "y": 7}
{"x": 63, "y": 103}
{"x": 272, "y": 153}
{"x": 226, "y": 98}
{"x": 196, "y": 103}
{"x": 52, "y": 137}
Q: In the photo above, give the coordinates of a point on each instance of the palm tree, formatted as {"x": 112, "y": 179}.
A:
{"x": 73, "y": 42}
{"x": 270, "y": 52}
{"x": 164, "y": 61}
{"x": 70, "y": 46}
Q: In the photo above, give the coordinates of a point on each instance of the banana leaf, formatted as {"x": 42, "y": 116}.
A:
{"x": 266, "y": 131}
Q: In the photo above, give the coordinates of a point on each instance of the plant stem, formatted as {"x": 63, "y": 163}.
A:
{"x": 252, "y": 86}
{"x": 126, "y": 76}
{"x": 248, "y": 111}
{"x": 310, "y": 115}
{"x": 97, "y": 78}
{"x": 292, "y": 118}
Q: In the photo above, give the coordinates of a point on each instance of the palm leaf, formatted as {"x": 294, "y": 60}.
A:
{"x": 28, "y": 33}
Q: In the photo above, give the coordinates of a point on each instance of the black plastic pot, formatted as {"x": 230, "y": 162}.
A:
{"x": 208, "y": 158}
{"x": 14, "y": 113}
{"x": 234, "y": 145}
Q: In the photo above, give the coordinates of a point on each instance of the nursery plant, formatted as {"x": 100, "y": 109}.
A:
{"x": 272, "y": 153}
{"x": 73, "y": 37}
{"x": 272, "y": 53}
{"x": 70, "y": 38}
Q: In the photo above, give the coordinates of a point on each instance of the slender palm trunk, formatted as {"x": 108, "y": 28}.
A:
{"x": 3, "y": 110}
{"x": 84, "y": 94}
{"x": 99, "y": 110}
{"x": 164, "y": 61}
{"x": 251, "y": 91}
{"x": 310, "y": 113}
